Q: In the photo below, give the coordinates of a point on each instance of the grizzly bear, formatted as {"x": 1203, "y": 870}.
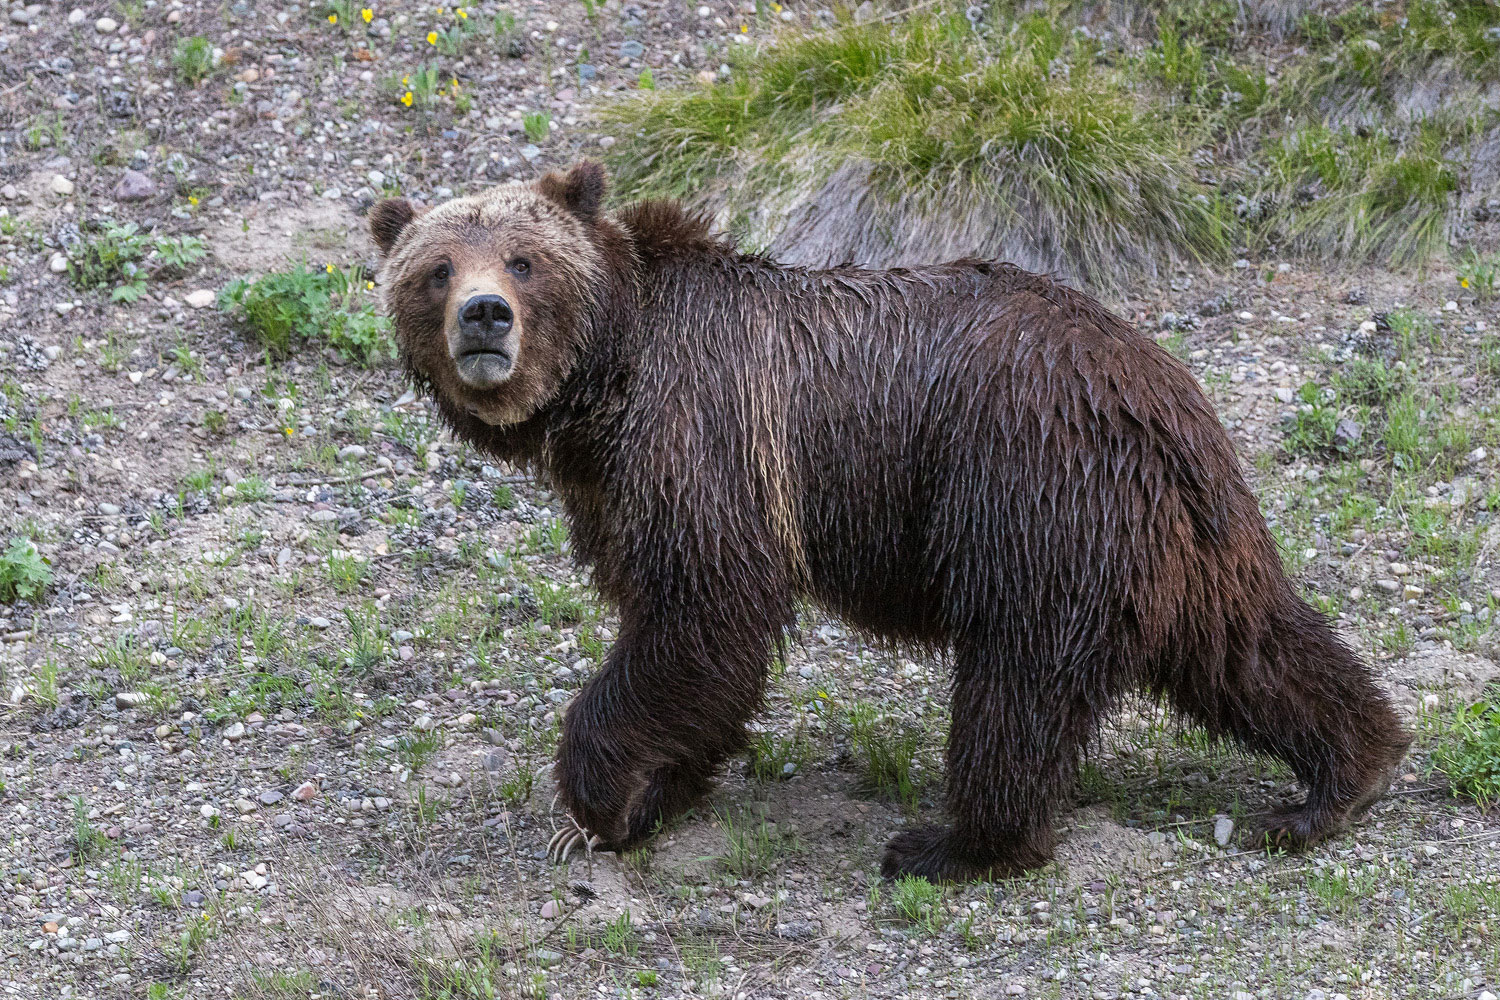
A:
{"x": 964, "y": 458}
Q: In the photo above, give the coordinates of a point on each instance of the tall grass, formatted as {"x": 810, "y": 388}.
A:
{"x": 1097, "y": 141}
{"x": 1012, "y": 121}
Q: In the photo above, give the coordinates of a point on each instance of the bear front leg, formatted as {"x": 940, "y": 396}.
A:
{"x": 641, "y": 742}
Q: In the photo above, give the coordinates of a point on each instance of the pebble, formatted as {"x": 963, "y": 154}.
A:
{"x": 106, "y": 25}
{"x": 130, "y": 699}
{"x": 134, "y": 186}
{"x": 551, "y": 910}
{"x": 61, "y": 186}
{"x": 200, "y": 299}
{"x": 305, "y": 792}
{"x": 424, "y": 722}
{"x": 77, "y": 15}
{"x": 1223, "y": 830}
{"x": 236, "y": 731}
{"x": 349, "y": 451}
{"x": 270, "y": 797}
{"x": 58, "y": 264}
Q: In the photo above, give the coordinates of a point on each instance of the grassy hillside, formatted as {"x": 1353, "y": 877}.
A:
{"x": 1097, "y": 140}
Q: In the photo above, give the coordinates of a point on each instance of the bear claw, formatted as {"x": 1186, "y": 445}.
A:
{"x": 567, "y": 839}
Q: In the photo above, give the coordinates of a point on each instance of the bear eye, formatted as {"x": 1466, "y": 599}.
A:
{"x": 520, "y": 265}
{"x": 441, "y": 273}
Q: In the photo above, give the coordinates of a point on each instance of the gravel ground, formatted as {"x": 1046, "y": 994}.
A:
{"x": 281, "y": 726}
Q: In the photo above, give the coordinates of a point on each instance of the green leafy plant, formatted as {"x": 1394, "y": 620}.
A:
{"x": 1468, "y": 750}
{"x": 1476, "y": 273}
{"x": 24, "y": 574}
{"x": 285, "y": 308}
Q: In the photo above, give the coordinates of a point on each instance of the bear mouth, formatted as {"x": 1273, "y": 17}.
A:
{"x": 484, "y": 369}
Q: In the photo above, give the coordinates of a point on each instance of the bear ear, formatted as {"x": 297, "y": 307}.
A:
{"x": 580, "y": 190}
{"x": 387, "y": 219}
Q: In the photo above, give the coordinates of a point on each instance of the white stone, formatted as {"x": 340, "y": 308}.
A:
{"x": 106, "y": 25}
{"x": 58, "y": 264}
{"x": 1223, "y": 830}
{"x": 200, "y": 299}
{"x": 77, "y": 15}
{"x": 61, "y": 186}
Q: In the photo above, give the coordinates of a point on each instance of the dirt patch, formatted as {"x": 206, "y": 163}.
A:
{"x": 274, "y": 234}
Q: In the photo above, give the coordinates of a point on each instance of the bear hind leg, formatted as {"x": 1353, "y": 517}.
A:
{"x": 1302, "y": 696}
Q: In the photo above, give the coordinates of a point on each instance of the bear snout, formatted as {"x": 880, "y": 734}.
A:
{"x": 484, "y": 346}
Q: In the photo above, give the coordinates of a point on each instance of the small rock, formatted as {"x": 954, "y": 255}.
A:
{"x": 1223, "y": 830}
{"x": 424, "y": 722}
{"x": 1347, "y": 433}
{"x": 236, "y": 731}
{"x": 130, "y": 699}
{"x": 270, "y": 797}
{"x": 77, "y": 15}
{"x": 305, "y": 791}
{"x": 106, "y": 25}
{"x": 58, "y": 264}
{"x": 61, "y": 186}
{"x": 200, "y": 299}
{"x": 349, "y": 451}
{"x": 1411, "y": 592}
{"x": 551, "y": 910}
{"x": 134, "y": 186}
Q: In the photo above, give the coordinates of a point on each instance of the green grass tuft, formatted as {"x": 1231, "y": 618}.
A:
{"x": 1017, "y": 123}
{"x": 1099, "y": 156}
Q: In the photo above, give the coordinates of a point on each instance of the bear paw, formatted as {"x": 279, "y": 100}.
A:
{"x": 935, "y": 854}
{"x": 569, "y": 837}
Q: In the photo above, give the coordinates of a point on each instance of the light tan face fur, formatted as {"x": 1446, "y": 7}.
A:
{"x": 515, "y": 242}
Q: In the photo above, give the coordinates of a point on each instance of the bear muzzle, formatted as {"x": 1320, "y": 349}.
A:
{"x": 485, "y": 341}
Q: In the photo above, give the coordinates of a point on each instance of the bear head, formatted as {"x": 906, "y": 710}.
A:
{"x": 490, "y": 295}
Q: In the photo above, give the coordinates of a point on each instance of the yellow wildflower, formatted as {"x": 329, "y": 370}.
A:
{"x": 333, "y": 19}
{"x": 192, "y": 201}
{"x": 432, "y": 38}
{"x": 455, "y": 83}
{"x": 328, "y": 268}
{"x": 406, "y": 98}
{"x": 406, "y": 81}
{"x": 367, "y": 14}
{"x": 1464, "y": 282}
{"x": 462, "y": 14}
{"x": 743, "y": 29}
{"x": 369, "y": 286}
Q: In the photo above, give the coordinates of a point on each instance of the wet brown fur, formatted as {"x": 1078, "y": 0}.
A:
{"x": 964, "y": 457}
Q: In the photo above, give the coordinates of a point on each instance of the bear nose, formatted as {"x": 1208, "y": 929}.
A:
{"x": 485, "y": 316}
